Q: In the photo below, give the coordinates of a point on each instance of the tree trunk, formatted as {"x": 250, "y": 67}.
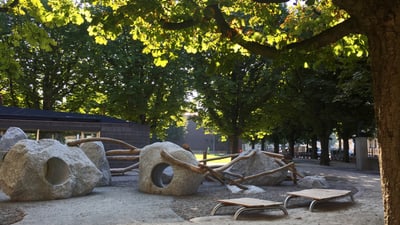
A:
{"x": 276, "y": 147}
{"x": 324, "y": 160}
{"x": 253, "y": 144}
{"x": 346, "y": 148}
{"x": 234, "y": 144}
{"x": 314, "y": 154}
{"x": 291, "y": 147}
{"x": 263, "y": 144}
{"x": 384, "y": 49}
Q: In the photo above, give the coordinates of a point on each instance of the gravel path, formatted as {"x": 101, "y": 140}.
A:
{"x": 122, "y": 203}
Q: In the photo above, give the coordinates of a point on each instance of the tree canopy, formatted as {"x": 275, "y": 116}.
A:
{"x": 259, "y": 27}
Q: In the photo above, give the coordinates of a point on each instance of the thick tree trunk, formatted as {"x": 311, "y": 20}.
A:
{"x": 263, "y": 144}
{"x": 291, "y": 147}
{"x": 314, "y": 154}
{"x": 234, "y": 143}
{"x": 276, "y": 147}
{"x": 324, "y": 160}
{"x": 384, "y": 42}
{"x": 346, "y": 148}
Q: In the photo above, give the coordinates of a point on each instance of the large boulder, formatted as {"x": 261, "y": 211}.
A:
{"x": 256, "y": 164}
{"x": 157, "y": 176}
{"x": 10, "y": 138}
{"x": 46, "y": 170}
{"x": 96, "y": 153}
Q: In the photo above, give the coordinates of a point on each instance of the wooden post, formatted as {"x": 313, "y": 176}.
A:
{"x": 205, "y": 157}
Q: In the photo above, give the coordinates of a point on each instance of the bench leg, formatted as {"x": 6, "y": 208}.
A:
{"x": 284, "y": 210}
{"x": 351, "y": 197}
{"x": 214, "y": 210}
{"x": 242, "y": 209}
{"x": 314, "y": 202}
{"x": 285, "y": 203}
{"x": 312, "y": 205}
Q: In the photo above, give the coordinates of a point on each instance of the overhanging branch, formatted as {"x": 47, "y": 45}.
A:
{"x": 271, "y": 1}
{"x": 324, "y": 38}
{"x": 179, "y": 25}
{"x": 9, "y": 6}
{"x": 328, "y": 36}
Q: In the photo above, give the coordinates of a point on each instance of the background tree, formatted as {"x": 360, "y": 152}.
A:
{"x": 233, "y": 95}
{"x": 137, "y": 90}
{"x": 50, "y": 76}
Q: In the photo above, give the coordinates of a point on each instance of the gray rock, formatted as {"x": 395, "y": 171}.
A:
{"x": 11, "y": 137}
{"x": 157, "y": 176}
{"x": 96, "y": 153}
{"x": 46, "y": 170}
{"x": 256, "y": 164}
{"x": 313, "y": 182}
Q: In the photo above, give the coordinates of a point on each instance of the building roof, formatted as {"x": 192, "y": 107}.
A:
{"x": 48, "y": 115}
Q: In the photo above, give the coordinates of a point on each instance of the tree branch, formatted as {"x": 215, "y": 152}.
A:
{"x": 178, "y": 26}
{"x": 270, "y": 1}
{"x": 9, "y": 6}
{"x": 328, "y": 36}
{"x": 324, "y": 38}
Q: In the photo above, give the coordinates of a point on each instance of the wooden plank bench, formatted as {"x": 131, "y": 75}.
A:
{"x": 248, "y": 204}
{"x": 318, "y": 195}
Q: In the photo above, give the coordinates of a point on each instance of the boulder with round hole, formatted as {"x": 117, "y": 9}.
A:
{"x": 46, "y": 170}
{"x": 158, "y": 176}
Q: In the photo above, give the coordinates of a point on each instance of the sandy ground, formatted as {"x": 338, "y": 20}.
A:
{"x": 122, "y": 203}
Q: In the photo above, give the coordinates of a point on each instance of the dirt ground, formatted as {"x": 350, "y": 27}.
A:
{"x": 122, "y": 203}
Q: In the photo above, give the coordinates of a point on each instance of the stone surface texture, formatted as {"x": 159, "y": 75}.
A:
{"x": 153, "y": 170}
{"x": 10, "y": 138}
{"x": 257, "y": 163}
{"x": 46, "y": 170}
{"x": 313, "y": 182}
{"x": 96, "y": 153}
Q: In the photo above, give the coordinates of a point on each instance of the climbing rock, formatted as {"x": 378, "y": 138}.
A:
{"x": 257, "y": 163}
{"x": 96, "y": 153}
{"x": 157, "y": 176}
{"x": 313, "y": 182}
{"x": 45, "y": 170}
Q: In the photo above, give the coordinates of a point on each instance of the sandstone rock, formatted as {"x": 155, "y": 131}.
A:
{"x": 257, "y": 163}
{"x": 313, "y": 182}
{"x": 159, "y": 177}
{"x": 96, "y": 153}
{"x": 46, "y": 170}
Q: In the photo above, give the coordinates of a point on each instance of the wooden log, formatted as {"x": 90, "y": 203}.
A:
{"x": 274, "y": 155}
{"x": 224, "y": 167}
{"x": 292, "y": 169}
{"x": 220, "y": 157}
{"x": 124, "y": 169}
{"x": 123, "y": 152}
{"x": 112, "y": 140}
{"x": 221, "y": 178}
{"x": 169, "y": 158}
{"x": 264, "y": 173}
{"x": 123, "y": 157}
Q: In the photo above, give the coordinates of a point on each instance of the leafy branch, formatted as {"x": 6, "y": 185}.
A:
{"x": 9, "y": 6}
{"x": 328, "y": 36}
